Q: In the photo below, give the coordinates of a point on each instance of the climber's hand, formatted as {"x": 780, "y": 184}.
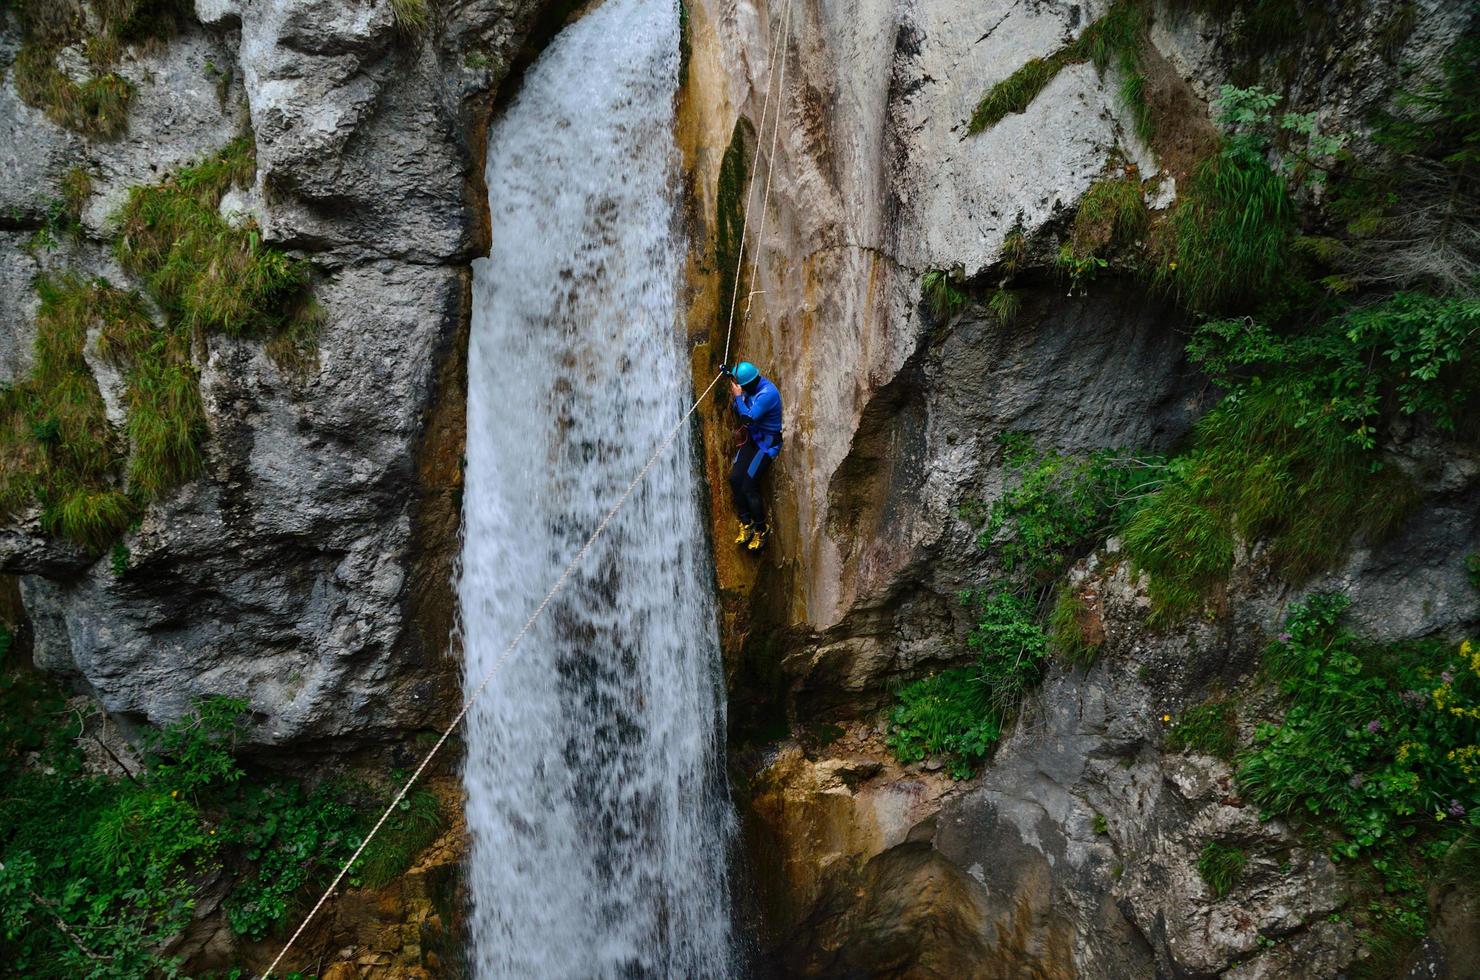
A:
{"x": 735, "y": 389}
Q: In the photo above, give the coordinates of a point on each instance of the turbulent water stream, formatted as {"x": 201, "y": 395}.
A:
{"x": 596, "y": 802}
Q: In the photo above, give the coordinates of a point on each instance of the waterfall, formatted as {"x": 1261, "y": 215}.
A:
{"x": 596, "y": 799}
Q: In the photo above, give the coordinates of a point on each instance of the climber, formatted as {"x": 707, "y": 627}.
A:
{"x": 758, "y": 403}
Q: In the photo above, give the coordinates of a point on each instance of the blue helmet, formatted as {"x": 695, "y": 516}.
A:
{"x": 745, "y": 373}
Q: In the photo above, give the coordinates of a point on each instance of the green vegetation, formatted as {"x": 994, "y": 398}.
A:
{"x": 411, "y": 829}
{"x": 97, "y": 106}
{"x": 1220, "y": 866}
{"x": 1115, "y": 38}
{"x": 205, "y": 275}
{"x": 1101, "y": 825}
{"x": 1289, "y": 457}
{"x": 1073, "y": 632}
{"x": 1060, "y": 506}
{"x": 1254, "y": 473}
{"x": 412, "y": 16}
{"x": 1112, "y": 213}
{"x": 1228, "y": 236}
{"x": 942, "y": 297}
{"x": 729, "y": 217}
{"x": 945, "y": 714}
{"x": 1472, "y": 569}
{"x": 1379, "y": 750}
{"x": 1380, "y": 744}
{"x": 1005, "y": 305}
{"x": 960, "y": 714}
{"x": 1210, "y": 728}
{"x": 56, "y": 445}
{"x": 95, "y": 895}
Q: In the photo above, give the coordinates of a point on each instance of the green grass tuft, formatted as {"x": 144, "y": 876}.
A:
{"x": 1255, "y": 473}
{"x": 1115, "y": 38}
{"x": 97, "y": 107}
{"x": 1210, "y": 728}
{"x": 57, "y": 448}
{"x": 1015, "y": 92}
{"x": 1005, "y": 305}
{"x": 941, "y": 296}
{"x": 415, "y": 824}
{"x": 1071, "y": 630}
{"x": 1111, "y": 213}
{"x": 1221, "y": 866}
{"x": 412, "y": 16}
{"x": 1228, "y": 237}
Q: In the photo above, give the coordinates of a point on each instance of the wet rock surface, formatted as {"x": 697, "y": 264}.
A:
{"x": 309, "y": 568}
{"x": 1073, "y": 852}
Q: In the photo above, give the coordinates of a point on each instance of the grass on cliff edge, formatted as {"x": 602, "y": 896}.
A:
{"x": 98, "y": 105}
{"x": 1117, "y": 37}
{"x": 57, "y": 447}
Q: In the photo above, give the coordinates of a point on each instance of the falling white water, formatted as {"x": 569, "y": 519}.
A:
{"x": 596, "y": 799}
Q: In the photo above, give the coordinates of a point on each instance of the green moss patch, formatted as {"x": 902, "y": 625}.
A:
{"x": 1115, "y": 38}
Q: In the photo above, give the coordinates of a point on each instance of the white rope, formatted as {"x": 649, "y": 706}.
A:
{"x": 760, "y": 236}
{"x": 760, "y": 135}
{"x": 497, "y": 664}
{"x": 601, "y": 527}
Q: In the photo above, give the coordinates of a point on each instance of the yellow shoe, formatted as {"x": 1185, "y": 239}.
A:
{"x": 746, "y": 531}
{"x": 758, "y": 541}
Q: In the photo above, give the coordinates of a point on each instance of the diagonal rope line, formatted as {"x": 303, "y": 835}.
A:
{"x": 497, "y": 664}
{"x": 760, "y": 235}
{"x": 606, "y": 520}
{"x": 760, "y": 135}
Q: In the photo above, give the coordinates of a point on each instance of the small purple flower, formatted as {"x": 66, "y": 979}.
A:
{"x": 1284, "y": 637}
{"x": 1374, "y": 726}
{"x": 1447, "y": 677}
{"x": 1456, "y": 808}
{"x": 1415, "y": 699}
{"x": 1357, "y": 781}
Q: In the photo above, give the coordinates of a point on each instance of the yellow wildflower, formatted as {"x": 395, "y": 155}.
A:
{"x": 1166, "y": 717}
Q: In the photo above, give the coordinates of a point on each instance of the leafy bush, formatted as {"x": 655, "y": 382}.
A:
{"x": 1210, "y": 728}
{"x": 1220, "y": 866}
{"x": 945, "y": 714}
{"x": 1060, "y": 505}
{"x": 99, "y": 872}
{"x": 960, "y": 714}
{"x": 1380, "y": 745}
{"x": 287, "y": 839}
{"x": 1410, "y": 354}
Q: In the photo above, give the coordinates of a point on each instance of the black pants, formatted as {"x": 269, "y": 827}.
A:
{"x": 745, "y": 481}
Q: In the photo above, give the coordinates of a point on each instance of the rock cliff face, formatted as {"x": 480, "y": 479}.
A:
{"x": 1072, "y": 852}
{"x": 309, "y": 567}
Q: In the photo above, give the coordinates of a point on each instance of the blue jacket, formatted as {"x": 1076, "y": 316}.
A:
{"x": 762, "y": 414}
